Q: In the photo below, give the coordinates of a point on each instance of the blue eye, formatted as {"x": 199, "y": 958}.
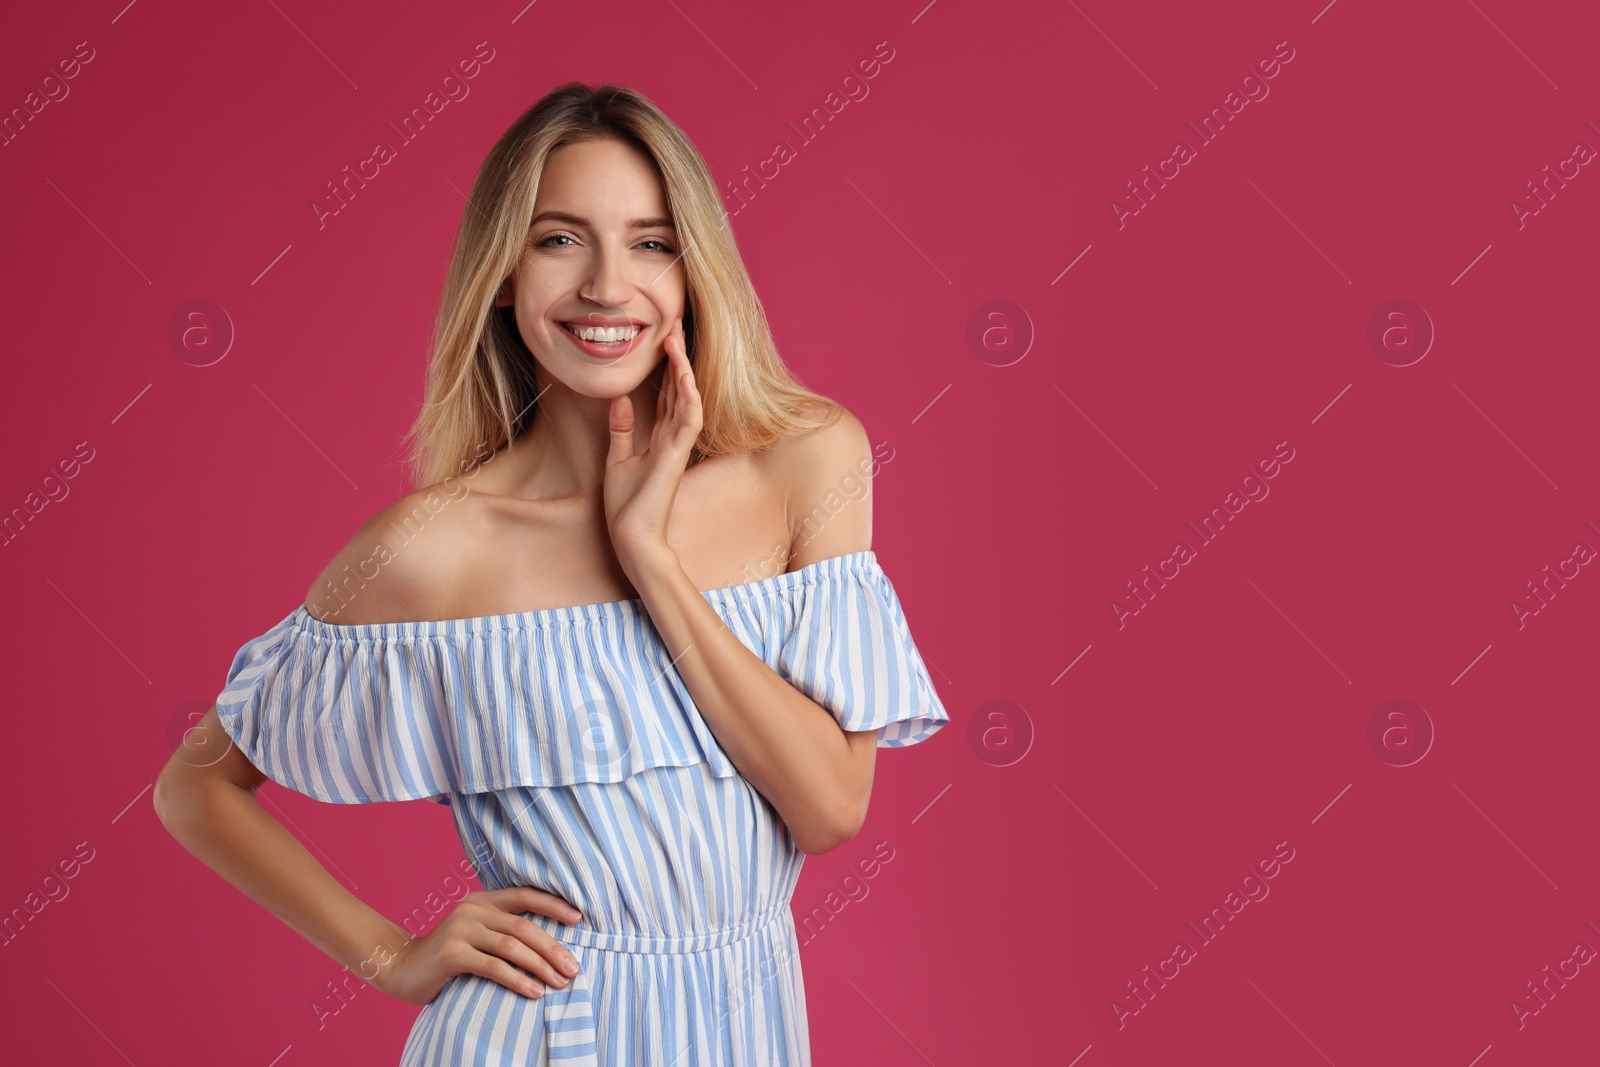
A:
{"x": 662, "y": 245}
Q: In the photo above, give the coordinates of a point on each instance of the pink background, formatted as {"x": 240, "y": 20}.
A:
{"x": 1228, "y": 315}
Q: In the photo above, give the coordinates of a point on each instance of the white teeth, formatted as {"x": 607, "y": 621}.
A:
{"x": 606, "y": 334}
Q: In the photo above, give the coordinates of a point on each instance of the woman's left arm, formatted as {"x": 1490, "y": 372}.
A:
{"x": 817, "y": 776}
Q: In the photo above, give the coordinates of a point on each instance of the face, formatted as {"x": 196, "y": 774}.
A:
{"x": 602, "y": 258}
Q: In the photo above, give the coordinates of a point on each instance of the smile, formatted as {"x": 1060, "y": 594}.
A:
{"x": 603, "y": 344}
{"x": 605, "y": 335}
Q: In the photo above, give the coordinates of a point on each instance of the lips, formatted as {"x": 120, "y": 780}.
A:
{"x": 605, "y": 321}
{"x": 600, "y": 350}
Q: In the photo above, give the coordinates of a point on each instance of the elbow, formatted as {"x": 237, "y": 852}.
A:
{"x": 828, "y": 834}
{"x": 174, "y": 798}
{"x": 183, "y": 795}
{"x": 168, "y": 800}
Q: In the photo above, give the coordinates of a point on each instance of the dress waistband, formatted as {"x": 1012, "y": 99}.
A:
{"x": 581, "y": 933}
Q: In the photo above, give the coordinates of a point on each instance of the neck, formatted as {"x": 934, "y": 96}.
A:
{"x": 563, "y": 452}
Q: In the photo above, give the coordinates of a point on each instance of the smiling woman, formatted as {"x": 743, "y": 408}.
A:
{"x": 638, "y": 747}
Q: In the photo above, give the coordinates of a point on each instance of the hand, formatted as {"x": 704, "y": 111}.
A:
{"x": 485, "y": 934}
{"x": 640, "y": 487}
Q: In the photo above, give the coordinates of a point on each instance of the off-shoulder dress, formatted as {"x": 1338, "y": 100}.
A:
{"x": 574, "y": 759}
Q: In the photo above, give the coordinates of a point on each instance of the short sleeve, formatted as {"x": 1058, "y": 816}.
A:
{"x": 368, "y": 712}
{"x": 313, "y": 721}
{"x": 849, "y": 648}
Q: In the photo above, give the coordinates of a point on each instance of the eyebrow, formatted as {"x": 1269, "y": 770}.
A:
{"x": 579, "y": 220}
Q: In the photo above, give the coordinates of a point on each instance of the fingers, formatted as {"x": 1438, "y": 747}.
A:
{"x": 692, "y": 411}
{"x": 521, "y": 941}
{"x": 497, "y": 969}
{"x": 674, "y": 368}
{"x": 620, "y": 423}
{"x": 520, "y": 898}
{"x": 686, "y": 403}
{"x": 490, "y": 935}
{"x": 664, "y": 394}
{"x": 661, "y": 405}
{"x": 678, "y": 393}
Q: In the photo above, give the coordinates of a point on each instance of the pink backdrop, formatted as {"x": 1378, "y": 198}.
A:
{"x": 1071, "y": 377}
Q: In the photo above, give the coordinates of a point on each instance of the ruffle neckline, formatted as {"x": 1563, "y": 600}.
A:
{"x": 557, "y": 696}
{"x": 777, "y": 584}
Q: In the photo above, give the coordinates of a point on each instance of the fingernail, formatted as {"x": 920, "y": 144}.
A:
{"x": 570, "y": 966}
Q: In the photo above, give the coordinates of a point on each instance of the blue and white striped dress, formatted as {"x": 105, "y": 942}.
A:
{"x": 574, "y": 760}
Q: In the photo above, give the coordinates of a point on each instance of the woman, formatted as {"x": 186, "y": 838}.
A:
{"x": 638, "y": 743}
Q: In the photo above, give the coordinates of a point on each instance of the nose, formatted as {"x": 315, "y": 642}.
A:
{"x": 607, "y": 284}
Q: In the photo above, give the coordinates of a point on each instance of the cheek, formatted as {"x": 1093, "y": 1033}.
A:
{"x": 543, "y": 281}
{"x": 533, "y": 313}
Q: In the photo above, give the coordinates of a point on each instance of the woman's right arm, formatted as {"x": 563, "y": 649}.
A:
{"x": 205, "y": 797}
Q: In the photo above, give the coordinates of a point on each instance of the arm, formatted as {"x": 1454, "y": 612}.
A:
{"x": 816, "y": 775}
{"x": 209, "y": 805}
{"x": 207, "y": 802}
{"x": 206, "y": 798}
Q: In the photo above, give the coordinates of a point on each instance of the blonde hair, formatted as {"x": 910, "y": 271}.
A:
{"x": 480, "y": 389}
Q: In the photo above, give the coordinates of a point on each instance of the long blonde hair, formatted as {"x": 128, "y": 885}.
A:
{"x": 480, "y": 388}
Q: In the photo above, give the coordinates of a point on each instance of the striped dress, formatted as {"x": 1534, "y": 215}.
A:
{"x": 574, "y": 760}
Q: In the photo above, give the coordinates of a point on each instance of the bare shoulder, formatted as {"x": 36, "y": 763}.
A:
{"x": 399, "y": 565}
{"x": 827, "y": 481}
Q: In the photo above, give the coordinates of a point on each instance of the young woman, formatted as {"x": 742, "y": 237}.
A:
{"x": 638, "y": 740}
